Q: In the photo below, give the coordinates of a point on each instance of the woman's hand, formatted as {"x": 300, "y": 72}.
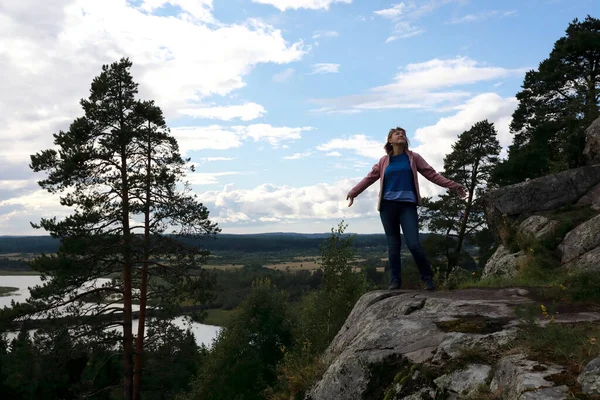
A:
{"x": 350, "y": 198}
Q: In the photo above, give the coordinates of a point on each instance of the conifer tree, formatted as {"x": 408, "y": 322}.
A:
{"x": 558, "y": 102}
{"x": 473, "y": 158}
{"x": 133, "y": 221}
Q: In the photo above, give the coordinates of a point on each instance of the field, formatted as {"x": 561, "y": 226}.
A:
{"x": 296, "y": 263}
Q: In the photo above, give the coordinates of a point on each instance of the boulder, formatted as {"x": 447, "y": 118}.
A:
{"x": 591, "y": 198}
{"x": 539, "y": 227}
{"x": 589, "y": 379}
{"x": 465, "y": 382}
{"x": 550, "y": 393}
{"x": 503, "y": 263}
{"x": 541, "y": 194}
{"x": 515, "y": 376}
{"x": 584, "y": 238}
{"x": 592, "y": 143}
{"x": 456, "y": 342}
{"x": 589, "y": 261}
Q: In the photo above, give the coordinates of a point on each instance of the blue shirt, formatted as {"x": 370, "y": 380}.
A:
{"x": 398, "y": 180}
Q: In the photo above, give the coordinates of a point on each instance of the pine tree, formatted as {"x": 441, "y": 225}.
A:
{"x": 133, "y": 221}
{"x": 558, "y": 102}
{"x": 473, "y": 158}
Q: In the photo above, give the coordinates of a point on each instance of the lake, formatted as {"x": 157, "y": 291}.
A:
{"x": 204, "y": 334}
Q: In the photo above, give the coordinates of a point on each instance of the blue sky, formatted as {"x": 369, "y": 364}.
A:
{"x": 283, "y": 105}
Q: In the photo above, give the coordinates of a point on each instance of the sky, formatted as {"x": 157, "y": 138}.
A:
{"x": 282, "y": 105}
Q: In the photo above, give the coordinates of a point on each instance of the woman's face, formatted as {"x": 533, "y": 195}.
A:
{"x": 397, "y": 137}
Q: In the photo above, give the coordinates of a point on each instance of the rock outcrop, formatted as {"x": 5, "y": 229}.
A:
{"x": 503, "y": 263}
{"x": 582, "y": 244}
{"x": 547, "y": 193}
{"x": 538, "y": 227}
{"x": 422, "y": 345}
{"x": 518, "y": 378}
{"x": 591, "y": 198}
{"x": 541, "y": 210}
{"x": 590, "y": 378}
{"x": 592, "y": 143}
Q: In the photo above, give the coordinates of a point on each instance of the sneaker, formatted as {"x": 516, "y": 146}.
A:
{"x": 394, "y": 285}
{"x": 429, "y": 285}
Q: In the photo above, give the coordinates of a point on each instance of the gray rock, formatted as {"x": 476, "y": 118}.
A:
{"x": 589, "y": 261}
{"x": 455, "y": 342}
{"x": 551, "y": 393}
{"x": 541, "y": 194}
{"x": 538, "y": 227}
{"x": 589, "y": 379}
{"x": 592, "y": 143}
{"x": 465, "y": 382}
{"x": 588, "y": 316}
{"x": 515, "y": 375}
{"x": 591, "y": 198}
{"x": 422, "y": 394}
{"x": 502, "y": 263}
{"x": 404, "y": 325}
{"x": 582, "y": 239}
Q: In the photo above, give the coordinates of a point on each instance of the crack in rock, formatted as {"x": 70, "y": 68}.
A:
{"x": 412, "y": 307}
{"x": 382, "y": 297}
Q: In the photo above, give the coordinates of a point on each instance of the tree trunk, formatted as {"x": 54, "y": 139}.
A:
{"x": 453, "y": 260}
{"x": 127, "y": 311}
{"x": 139, "y": 344}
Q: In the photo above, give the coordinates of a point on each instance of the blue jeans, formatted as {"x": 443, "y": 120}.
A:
{"x": 393, "y": 215}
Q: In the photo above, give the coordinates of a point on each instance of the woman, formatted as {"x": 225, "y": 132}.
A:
{"x": 398, "y": 199}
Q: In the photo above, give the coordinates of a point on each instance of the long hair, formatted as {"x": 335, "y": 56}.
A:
{"x": 388, "y": 146}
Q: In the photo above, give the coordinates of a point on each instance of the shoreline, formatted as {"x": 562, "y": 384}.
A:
{"x": 8, "y": 290}
{"x": 10, "y": 272}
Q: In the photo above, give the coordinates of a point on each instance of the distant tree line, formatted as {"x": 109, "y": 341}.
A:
{"x": 250, "y": 243}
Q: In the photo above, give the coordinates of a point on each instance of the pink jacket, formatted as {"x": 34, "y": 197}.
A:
{"x": 417, "y": 163}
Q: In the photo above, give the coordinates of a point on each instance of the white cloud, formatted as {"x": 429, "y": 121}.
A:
{"x": 198, "y": 9}
{"x": 217, "y": 137}
{"x": 214, "y": 137}
{"x": 334, "y": 154}
{"x": 283, "y": 5}
{"x": 210, "y": 159}
{"x": 297, "y": 156}
{"x": 207, "y": 178}
{"x": 245, "y": 112}
{"x": 324, "y": 34}
{"x": 360, "y": 144}
{"x": 14, "y": 184}
{"x": 52, "y": 50}
{"x": 273, "y": 135}
{"x": 289, "y": 204}
{"x": 395, "y": 11}
{"x": 405, "y": 15}
{"x": 403, "y": 30}
{"x": 329, "y": 110}
{"x": 20, "y": 210}
{"x": 284, "y": 75}
{"x": 435, "y": 141}
{"x": 325, "y": 68}
{"x": 422, "y": 85}
{"x": 481, "y": 16}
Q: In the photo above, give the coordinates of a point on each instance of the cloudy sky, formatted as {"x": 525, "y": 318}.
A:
{"x": 283, "y": 105}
